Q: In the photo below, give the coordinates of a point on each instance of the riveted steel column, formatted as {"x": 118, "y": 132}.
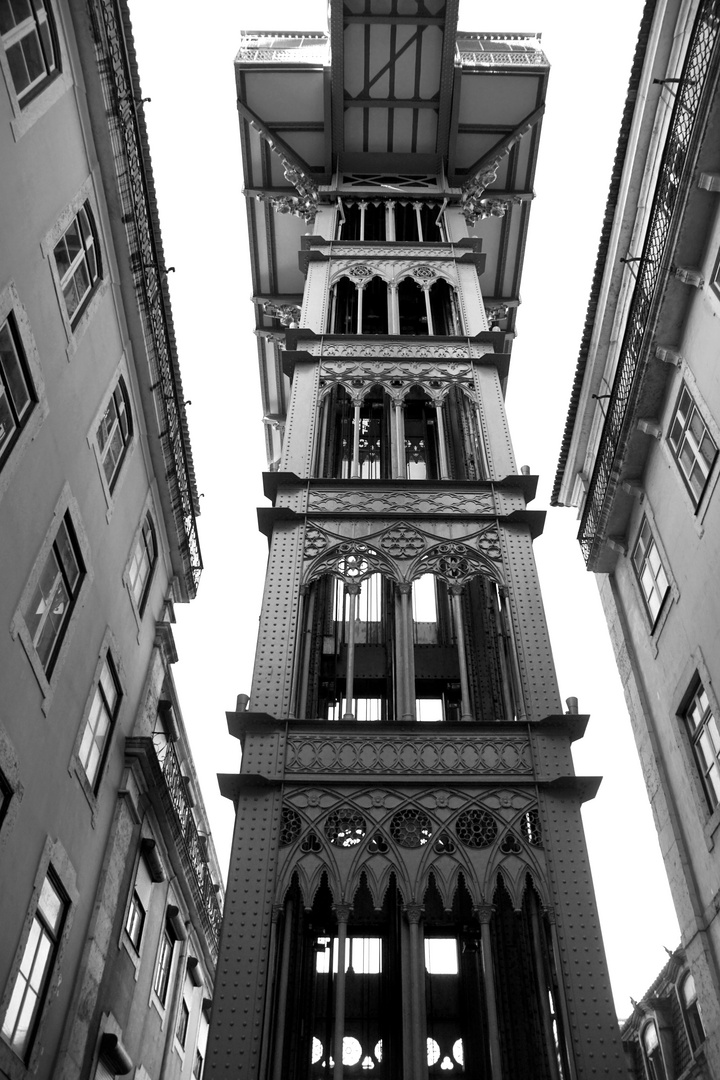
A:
{"x": 484, "y": 914}
{"x": 342, "y": 912}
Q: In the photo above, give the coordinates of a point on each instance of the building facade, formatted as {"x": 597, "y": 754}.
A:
{"x": 640, "y": 454}
{"x": 665, "y": 1035}
{"x": 108, "y": 879}
{"x": 409, "y": 892}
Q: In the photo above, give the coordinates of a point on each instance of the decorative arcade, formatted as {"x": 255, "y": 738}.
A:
{"x": 409, "y": 890}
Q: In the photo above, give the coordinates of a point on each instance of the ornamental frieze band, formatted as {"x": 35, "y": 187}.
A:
{"x": 407, "y": 753}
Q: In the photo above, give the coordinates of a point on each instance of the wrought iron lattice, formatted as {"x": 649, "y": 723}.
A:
{"x": 651, "y": 275}
{"x": 147, "y": 263}
{"x": 476, "y": 828}
{"x": 345, "y": 827}
{"x": 290, "y": 825}
{"x": 411, "y": 828}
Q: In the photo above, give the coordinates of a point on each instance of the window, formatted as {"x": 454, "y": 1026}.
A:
{"x": 100, "y": 722}
{"x": 135, "y": 921}
{"x": 142, "y": 563}
{"x": 691, "y": 1012}
{"x": 164, "y": 964}
{"x": 652, "y": 1051}
{"x": 198, "y": 1065}
{"x": 183, "y": 1020}
{"x": 139, "y": 905}
{"x": 38, "y": 959}
{"x": 17, "y": 396}
{"x": 703, "y": 729}
{"x": 6, "y": 794}
{"x": 692, "y": 445}
{"x": 30, "y": 43}
{"x": 78, "y": 262}
{"x": 650, "y": 571}
{"x": 114, "y": 433}
{"x": 51, "y": 604}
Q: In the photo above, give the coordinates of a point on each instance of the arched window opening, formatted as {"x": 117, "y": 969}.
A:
{"x": 431, "y": 231}
{"x": 421, "y": 438}
{"x": 443, "y": 308}
{"x": 375, "y": 214}
{"x": 351, "y": 659}
{"x": 412, "y": 308}
{"x": 653, "y": 1052}
{"x": 375, "y": 307}
{"x": 349, "y": 229}
{"x": 406, "y": 223}
{"x": 344, "y": 307}
{"x": 366, "y": 457}
{"x": 691, "y": 1012}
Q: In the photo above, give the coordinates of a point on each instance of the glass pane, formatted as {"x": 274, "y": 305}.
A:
{"x": 54, "y": 621}
{"x": 50, "y": 905}
{"x": 441, "y": 956}
{"x": 107, "y": 681}
{"x": 8, "y": 426}
{"x": 12, "y": 372}
{"x": 33, "y": 56}
{"x": 429, "y": 709}
{"x": 67, "y": 555}
{"x": 43, "y": 594}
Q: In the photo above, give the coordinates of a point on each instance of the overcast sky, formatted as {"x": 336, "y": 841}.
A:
{"x": 186, "y": 68}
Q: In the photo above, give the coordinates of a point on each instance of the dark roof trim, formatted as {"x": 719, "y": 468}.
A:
{"x": 608, "y": 219}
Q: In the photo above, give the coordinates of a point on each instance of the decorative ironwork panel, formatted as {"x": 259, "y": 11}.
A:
{"x": 408, "y": 754}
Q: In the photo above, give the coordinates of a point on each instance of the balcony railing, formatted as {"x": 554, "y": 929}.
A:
{"x": 283, "y": 49}
{"x": 193, "y": 844}
{"x": 499, "y": 50}
{"x": 651, "y": 278}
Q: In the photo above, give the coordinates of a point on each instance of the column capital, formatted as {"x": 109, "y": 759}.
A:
{"x": 277, "y": 910}
{"x": 414, "y": 913}
{"x": 456, "y": 588}
{"x": 484, "y": 913}
{"x": 342, "y": 912}
{"x": 404, "y": 587}
{"x": 353, "y": 588}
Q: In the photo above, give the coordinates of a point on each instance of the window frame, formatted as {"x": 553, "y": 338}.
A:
{"x": 66, "y": 513}
{"x": 139, "y": 597}
{"x": 676, "y": 449}
{"x": 694, "y": 733}
{"x": 183, "y": 1023}
{"x": 162, "y": 975}
{"x": 11, "y": 310}
{"x": 119, "y": 393}
{"x": 28, "y": 108}
{"x": 87, "y": 259}
{"x": 689, "y": 1010}
{"x": 47, "y": 43}
{"x": 19, "y": 418}
{"x": 646, "y": 536}
{"x": 54, "y": 860}
{"x": 98, "y": 692}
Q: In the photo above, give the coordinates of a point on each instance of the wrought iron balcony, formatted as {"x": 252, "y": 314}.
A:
{"x": 135, "y": 186}
{"x": 651, "y": 279}
{"x": 289, "y": 48}
{"x": 192, "y": 844}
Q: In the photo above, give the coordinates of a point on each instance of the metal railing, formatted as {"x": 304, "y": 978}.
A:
{"x": 193, "y": 843}
{"x": 652, "y": 273}
{"x": 283, "y": 49}
{"x": 148, "y": 270}
{"x": 500, "y": 50}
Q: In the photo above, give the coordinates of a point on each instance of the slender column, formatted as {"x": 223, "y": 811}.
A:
{"x": 519, "y": 703}
{"x": 321, "y": 446}
{"x": 408, "y": 1070}
{"x": 352, "y": 591}
{"x": 417, "y": 208}
{"x": 484, "y": 914}
{"x": 442, "y": 448}
{"x": 358, "y": 326}
{"x": 390, "y": 220}
{"x": 542, "y": 992}
{"x": 355, "y": 469}
{"x": 282, "y": 993}
{"x": 414, "y": 913}
{"x": 297, "y": 648}
{"x": 393, "y": 312}
{"x": 400, "y": 440}
{"x": 343, "y": 914}
{"x": 456, "y": 592}
{"x": 561, "y": 994}
{"x": 307, "y": 645}
{"x": 426, "y": 294}
{"x": 268, "y": 1011}
{"x": 408, "y": 659}
{"x": 481, "y": 445}
{"x": 505, "y": 675}
{"x": 363, "y": 207}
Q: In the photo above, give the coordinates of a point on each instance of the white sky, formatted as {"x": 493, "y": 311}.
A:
{"x": 186, "y": 67}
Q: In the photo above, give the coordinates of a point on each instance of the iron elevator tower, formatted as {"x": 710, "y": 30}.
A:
{"x": 409, "y": 892}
